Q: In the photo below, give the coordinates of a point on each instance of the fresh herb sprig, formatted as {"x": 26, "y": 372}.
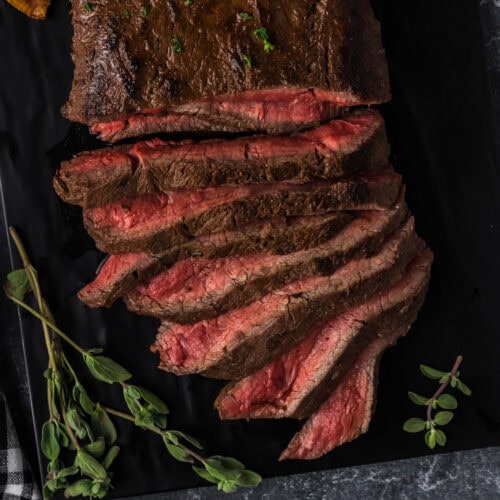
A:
{"x": 262, "y": 34}
{"x": 439, "y": 399}
{"x": 82, "y": 429}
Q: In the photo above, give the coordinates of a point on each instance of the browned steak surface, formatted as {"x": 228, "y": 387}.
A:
{"x": 127, "y": 59}
{"x": 195, "y": 289}
{"x": 243, "y": 340}
{"x": 153, "y": 222}
{"x": 341, "y": 147}
{"x": 282, "y": 235}
{"x": 296, "y": 383}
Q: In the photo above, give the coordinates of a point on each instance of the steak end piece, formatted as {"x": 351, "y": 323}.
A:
{"x": 278, "y": 236}
{"x": 342, "y": 147}
{"x": 347, "y": 412}
{"x": 295, "y": 384}
{"x": 124, "y": 66}
{"x": 241, "y": 341}
{"x": 155, "y": 222}
{"x": 195, "y": 289}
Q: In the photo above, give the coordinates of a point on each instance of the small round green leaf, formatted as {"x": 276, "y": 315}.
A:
{"x": 176, "y": 435}
{"x": 248, "y": 478}
{"x": 440, "y": 437}
{"x": 83, "y": 487}
{"x": 463, "y": 388}
{"x": 203, "y": 473}
{"x": 447, "y": 402}
{"x": 153, "y": 400}
{"x": 417, "y": 399}
{"x": 67, "y": 471}
{"x": 216, "y": 469}
{"x": 178, "y": 453}
{"x": 105, "y": 369}
{"x": 97, "y": 448}
{"x": 432, "y": 373}
{"x": 132, "y": 392}
{"x": 443, "y": 417}
{"x": 110, "y": 457}
{"x": 90, "y": 466}
{"x": 229, "y": 486}
{"x": 18, "y": 284}
{"x": 414, "y": 425}
{"x": 49, "y": 442}
{"x": 430, "y": 439}
{"x": 102, "y": 425}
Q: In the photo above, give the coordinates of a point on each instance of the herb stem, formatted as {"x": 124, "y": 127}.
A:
{"x": 442, "y": 387}
{"x": 48, "y": 323}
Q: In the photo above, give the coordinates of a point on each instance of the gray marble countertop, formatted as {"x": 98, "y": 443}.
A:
{"x": 472, "y": 474}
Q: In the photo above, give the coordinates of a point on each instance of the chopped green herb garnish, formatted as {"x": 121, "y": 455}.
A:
{"x": 144, "y": 11}
{"x": 126, "y": 13}
{"x": 247, "y": 59}
{"x": 88, "y": 7}
{"x": 176, "y": 45}
{"x": 262, "y": 35}
{"x": 188, "y": 2}
{"x": 245, "y": 16}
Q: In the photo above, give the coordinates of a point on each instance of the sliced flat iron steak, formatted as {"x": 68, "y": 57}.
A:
{"x": 195, "y": 289}
{"x": 124, "y": 66}
{"x": 241, "y": 341}
{"x": 347, "y": 412}
{"x": 154, "y": 222}
{"x": 341, "y": 147}
{"x": 278, "y": 236}
{"x": 295, "y": 384}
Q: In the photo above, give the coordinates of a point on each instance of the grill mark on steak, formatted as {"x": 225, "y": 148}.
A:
{"x": 295, "y": 384}
{"x": 278, "y": 236}
{"x": 347, "y": 412}
{"x": 241, "y": 341}
{"x": 195, "y": 289}
{"x": 338, "y": 148}
{"x": 153, "y": 222}
{"x": 342, "y": 56}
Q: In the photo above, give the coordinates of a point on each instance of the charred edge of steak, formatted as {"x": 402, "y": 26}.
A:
{"x": 340, "y": 196}
{"x": 365, "y": 365}
{"x": 240, "y": 355}
{"x": 253, "y": 285}
{"x": 280, "y": 236}
{"x": 95, "y": 179}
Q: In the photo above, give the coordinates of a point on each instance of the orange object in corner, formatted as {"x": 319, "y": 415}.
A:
{"x": 37, "y": 9}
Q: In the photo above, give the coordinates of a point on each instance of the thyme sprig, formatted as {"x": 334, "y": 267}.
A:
{"x": 439, "y": 399}
{"x": 80, "y": 429}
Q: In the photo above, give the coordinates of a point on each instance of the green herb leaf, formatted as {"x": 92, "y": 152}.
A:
{"x": 263, "y": 36}
{"x": 126, "y": 13}
{"x": 414, "y": 425}
{"x": 174, "y": 436}
{"x": 447, "y": 402}
{"x": 245, "y": 16}
{"x": 432, "y": 373}
{"x": 247, "y": 60}
{"x": 110, "y": 456}
{"x": 248, "y": 478}
{"x": 18, "y": 284}
{"x": 83, "y": 487}
{"x": 153, "y": 400}
{"x": 443, "y": 417}
{"x": 49, "y": 442}
{"x": 90, "y": 466}
{"x": 463, "y": 388}
{"x": 430, "y": 439}
{"x": 440, "y": 437}
{"x": 76, "y": 423}
{"x": 97, "y": 448}
{"x": 217, "y": 469}
{"x": 188, "y": 2}
{"x": 417, "y": 399}
{"x": 88, "y": 7}
{"x": 68, "y": 471}
{"x": 105, "y": 369}
{"x": 144, "y": 11}
{"x": 228, "y": 486}
{"x": 132, "y": 392}
{"x": 203, "y": 473}
{"x": 176, "y": 45}
{"x": 228, "y": 462}
{"x": 178, "y": 453}
{"x": 80, "y": 396}
{"x": 102, "y": 425}
{"x": 62, "y": 435}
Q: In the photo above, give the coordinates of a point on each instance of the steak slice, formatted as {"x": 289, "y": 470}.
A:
{"x": 243, "y": 340}
{"x": 338, "y": 148}
{"x": 126, "y": 65}
{"x": 295, "y": 384}
{"x": 153, "y": 222}
{"x": 123, "y": 272}
{"x": 347, "y": 412}
{"x": 195, "y": 289}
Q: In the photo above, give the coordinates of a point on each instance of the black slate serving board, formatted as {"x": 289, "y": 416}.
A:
{"x": 440, "y": 126}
